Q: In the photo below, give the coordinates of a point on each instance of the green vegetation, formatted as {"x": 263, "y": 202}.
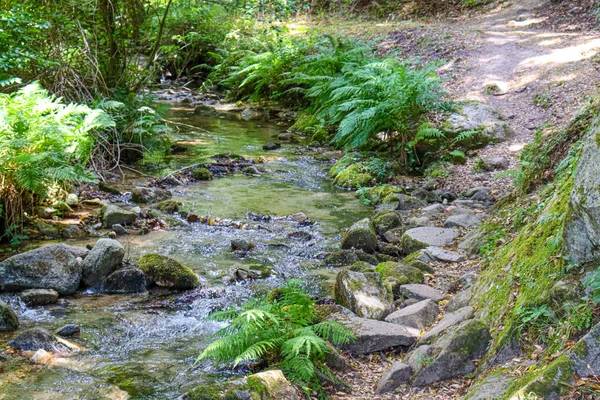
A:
{"x": 284, "y": 331}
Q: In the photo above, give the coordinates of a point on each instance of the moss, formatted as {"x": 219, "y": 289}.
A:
{"x": 168, "y": 206}
{"x": 353, "y": 177}
{"x": 383, "y": 221}
{"x": 361, "y": 266}
{"x": 414, "y": 260}
{"x": 202, "y": 174}
{"x": 548, "y": 382}
{"x": 128, "y": 377}
{"x": 378, "y": 193}
{"x": 397, "y": 274}
{"x": 410, "y": 245}
{"x": 166, "y": 272}
{"x": 8, "y": 319}
{"x": 224, "y": 391}
{"x": 264, "y": 270}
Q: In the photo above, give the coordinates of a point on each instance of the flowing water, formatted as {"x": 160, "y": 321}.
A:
{"x": 144, "y": 346}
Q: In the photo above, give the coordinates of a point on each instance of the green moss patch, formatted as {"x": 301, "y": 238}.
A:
{"x": 166, "y": 272}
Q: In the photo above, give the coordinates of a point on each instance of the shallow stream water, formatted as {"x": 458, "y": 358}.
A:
{"x": 144, "y": 346}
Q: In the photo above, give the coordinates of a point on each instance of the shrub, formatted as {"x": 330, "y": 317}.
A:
{"x": 283, "y": 331}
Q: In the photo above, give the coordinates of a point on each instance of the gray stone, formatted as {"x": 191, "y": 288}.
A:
{"x": 468, "y": 279}
{"x": 271, "y": 146}
{"x": 112, "y": 215}
{"x": 104, "y": 258}
{"x": 492, "y": 387}
{"x": 491, "y": 163}
{"x": 469, "y": 193}
{"x": 434, "y": 209}
{"x": 439, "y": 254}
{"x": 472, "y": 242}
{"x": 72, "y": 200}
{"x": 489, "y": 124}
{"x": 460, "y": 300}
{"x": 360, "y": 236}
{"x": 419, "y": 315}
{"x": 372, "y": 336}
{"x": 272, "y": 385}
{"x": 383, "y": 221}
{"x": 244, "y": 245}
{"x": 35, "y": 339}
{"x": 464, "y": 220}
{"x": 8, "y": 319}
{"x": 249, "y": 114}
{"x": 394, "y": 236}
{"x": 398, "y": 374}
{"x": 363, "y": 293}
{"x": 39, "y": 297}
{"x": 420, "y": 357}
{"x": 402, "y": 202}
{"x": 450, "y": 319}
{"x": 420, "y": 238}
{"x": 149, "y": 195}
{"x": 68, "y": 330}
{"x": 80, "y": 252}
{"x": 46, "y": 212}
{"x": 421, "y": 292}
{"x": 51, "y": 267}
{"x": 128, "y": 280}
{"x": 419, "y": 222}
{"x": 119, "y": 229}
{"x": 455, "y": 354}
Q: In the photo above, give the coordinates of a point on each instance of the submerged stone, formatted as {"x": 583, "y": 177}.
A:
{"x": 8, "y": 319}
{"x": 39, "y": 297}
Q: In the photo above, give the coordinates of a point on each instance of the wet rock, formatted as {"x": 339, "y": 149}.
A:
{"x": 74, "y": 232}
{"x": 128, "y": 280}
{"x": 285, "y": 136}
{"x": 68, "y": 330}
{"x": 419, "y": 315}
{"x": 35, "y": 339}
{"x": 251, "y": 170}
{"x": 398, "y": 374}
{"x": 446, "y": 256}
{"x": 253, "y": 272}
{"x": 149, "y": 195}
{"x": 236, "y": 389}
{"x": 39, "y": 297}
{"x": 491, "y": 163}
{"x": 249, "y": 114}
{"x": 450, "y": 319}
{"x": 50, "y": 230}
{"x": 202, "y": 174}
{"x": 104, "y": 258}
{"x": 72, "y": 200}
{"x": 119, "y": 229}
{"x": 466, "y": 220}
{"x": 112, "y": 215}
{"x": 420, "y": 238}
{"x": 105, "y": 187}
{"x": 8, "y": 319}
{"x": 383, "y": 221}
{"x": 299, "y": 218}
{"x": 62, "y": 206}
{"x": 243, "y": 245}
{"x": 300, "y": 236}
{"x": 342, "y": 258}
{"x": 421, "y": 292}
{"x": 363, "y": 293}
{"x": 192, "y": 218}
{"x": 372, "y": 335}
{"x": 272, "y": 385}
{"x": 169, "y": 273}
{"x": 168, "y": 206}
{"x": 46, "y": 212}
{"x": 485, "y": 120}
{"x": 454, "y": 354}
{"x": 271, "y": 146}
{"x": 460, "y": 300}
{"x": 50, "y": 267}
{"x": 360, "y": 236}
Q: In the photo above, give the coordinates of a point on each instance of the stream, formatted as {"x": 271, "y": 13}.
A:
{"x": 145, "y": 346}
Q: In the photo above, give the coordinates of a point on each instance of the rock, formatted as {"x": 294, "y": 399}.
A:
{"x": 202, "y": 174}
{"x": 94, "y": 202}
{"x": 439, "y": 254}
{"x": 104, "y": 258}
{"x": 419, "y": 315}
{"x": 119, "y": 229}
{"x": 396, "y": 274}
{"x": 434, "y": 209}
{"x": 249, "y": 114}
{"x": 398, "y": 374}
{"x": 149, "y": 195}
{"x": 272, "y": 385}
{"x": 464, "y": 220}
{"x": 372, "y": 336}
{"x": 271, "y": 146}
{"x": 353, "y": 177}
{"x": 383, "y": 221}
{"x": 285, "y": 136}
{"x": 454, "y": 354}
{"x": 450, "y": 319}
{"x": 168, "y": 206}
{"x": 244, "y": 245}
{"x": 166, "y": 272}
{"x": 343, "y": 258}
{"x": 74, "y": 232}
{"x": 236, "y": 389}
{"x": 485, "y": 120}
{"x": 468, "y": 279}
{"x": 394, "y": 236}
{"x": 300, "y": 236}
{"x": 421, "y": 292}
{"x": 35, "y": 339}
{"x": 360, "y": 236}
{"x": 112, "y": 215}
{"x": 50, "y": 230}
{"x": 104, "y": 187}
{"x": 63, "y": 207}
{"x": 128, "y": 280}
{"x": 68, "y": 330}
{"x": 299, "y": 218}
{"x": 363, "y": 293}
{"x": 72, "y": 200}
{"x": 402, "y": 202}
{"x": 420, "y": 238}
{"x": 491, "y": 163}
{"x": 251, "y": 170}
{"x": 335, "y": 361}
{"x": 420, "y": 259}
{"x": 8, "y": 319}
{"x": 50, "y": 267}
{"x": 39, "y": 297}
{"x": 494, "y": 386}
{"x": 460, "y": 300}
{"x": 417, "y": 222}
{"x": 46, "y": 212}
{"x": 472, "y": 242}
{"x": 426, "y": 195}
{"x": 472, "y": 191}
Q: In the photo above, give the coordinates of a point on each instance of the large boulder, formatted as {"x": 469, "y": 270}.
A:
{"x": 372, "y": 336}
{"x": 112, "y": 214}
{"x": 398, "y": 374}
{"x": 8, "y": 319}
{"x": 363, "y": 293}
{"x": 169, "y": 273}
{"x": 383, "y": 221}
{"x": 149, "y": 195}
{"x": 51, "y": 267}
{"x": 360, "y": 236}
{"x": 104, "y": 258}
{"x": 128, "y": 280}
{"x": 272, "y": 385}
{"x": 488, "y": 125}
{"x": 421, "y": 292}
{"x": 421, "y": 238}
{"x": 39, "y": 297}
{"x": 419, "y": 315}
{"x": 450, "y": 319}
{"x": 453, "y": 355}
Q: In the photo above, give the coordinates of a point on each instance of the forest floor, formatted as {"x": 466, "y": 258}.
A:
{"x": 536, "y": 62}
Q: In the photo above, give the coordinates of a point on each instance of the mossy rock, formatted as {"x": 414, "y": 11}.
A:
{"x": 397, "y": 274}
{"x": 353, "y": 177}
{"x": 128, "y": 377}
{"x": 168, "y": 206}
{"x": 62, "y": 207}
{"x": 202, "y": 174}
{"x": 364, "y": 293}
{"x": 8, "y": 318}
{"x": 343, "y": 258}
{"x": 360, "y": 236}
{"x": 361, "y": 266}
{"x": 166, "y": 272}
{"x": 263, "y": 271}
{"x": 271, "y": 385}
{"x": 385, "y": 220}
{"x": 231, "y": 390}
{"x": 378, "y": 193}
{"x": 417, "y": 260}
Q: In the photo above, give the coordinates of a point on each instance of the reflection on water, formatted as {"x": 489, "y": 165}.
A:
{"x": 145, "y": 346}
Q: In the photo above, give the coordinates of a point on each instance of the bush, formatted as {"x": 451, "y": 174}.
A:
{"x": 282, "y": 331}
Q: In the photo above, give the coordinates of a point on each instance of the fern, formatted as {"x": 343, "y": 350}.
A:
{"x": 282, "y": 331}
